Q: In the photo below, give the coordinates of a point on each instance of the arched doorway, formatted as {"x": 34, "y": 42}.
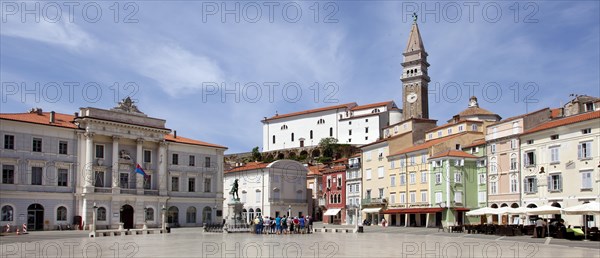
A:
{"x": 173, "y": 215}
{"x": 35, "y": 217}
{"x": 494, "y": 217}
{"x": 280, "y": 156}
{"x": 316, "y": 153}
{"x": 127, "y": 216}
{"x": 556, "y": 216}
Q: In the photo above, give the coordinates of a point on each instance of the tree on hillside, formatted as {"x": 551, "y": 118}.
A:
{"x": 329, "y": 146}
{"x": 256, "y": 156}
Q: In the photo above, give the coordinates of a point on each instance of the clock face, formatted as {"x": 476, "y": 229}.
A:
{"x": 411, "y": 97}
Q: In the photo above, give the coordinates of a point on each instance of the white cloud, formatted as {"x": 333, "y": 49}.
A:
{"x": 61, "y": 33}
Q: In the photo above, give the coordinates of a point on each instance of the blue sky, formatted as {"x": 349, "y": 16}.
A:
{"x": 176, "y": 58}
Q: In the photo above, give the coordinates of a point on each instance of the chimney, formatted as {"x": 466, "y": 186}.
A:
{"x": 76, "y": 114}
{"x": 174, "y": 133}
{"x": 39, "y": 111}
{"x": 52, "y": 117}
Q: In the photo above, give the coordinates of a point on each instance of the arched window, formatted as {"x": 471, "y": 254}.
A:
{"x": 251, "y": 213}
{"x": 173, "y": 215}
{"x": 331, "y": 131}
{"x": 311, "y": 134}
{"x": 292, "y": 136}
{"x": 61, "y": 213}
{"x": 149, "y": 214}
{"x": 101, "y": 214}
{"x": 258, "y": 212}
{"x": 7, "y": 213}
{"x": 284, "y": 127}
{"x": 273, "y": 139}
{"x": 190, "y": 215}
{"x": 375, "y": 110}
{"x": 206, "y": 215}
{"x": 322, "y": 121}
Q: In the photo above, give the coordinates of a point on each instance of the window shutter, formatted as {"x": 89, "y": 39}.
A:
{"x": 579, "y": 152}
{"x": 549, "y": 182}
{"x": 535, "y": 183}
{"x": 560, "y": 182}
{"x": 525, "y": 160}
{"x": 525, "y": 186}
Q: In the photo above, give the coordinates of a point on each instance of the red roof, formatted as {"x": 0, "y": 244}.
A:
{"x": 60, "y": 120}
{"x": 413, "y": 210}
{"x": 334, "y": 169}
{"x": 315, "y": 170}
{"x": 427, "y": 144}
{"x": 385, "y": 103}
{"x": 454, "y": 123}
{"x": 342, "y": 160}
{"x": 565, "y": 121}
{"x": 248, "y": 166}
{"x": 179, "y": 139}
{"x": 475, "y": 143}
{"x": 555, "y": 112}
{"x": 347, "y": 105}
{"x": 453, "y": 153}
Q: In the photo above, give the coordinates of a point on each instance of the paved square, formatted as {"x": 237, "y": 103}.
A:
{"x": 375, "y": 242}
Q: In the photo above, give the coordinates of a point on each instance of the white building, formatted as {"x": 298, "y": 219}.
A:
{"x": 348, "y": 123}
{"x": 353, "y": 190}
{"x": 57, "y": 167}
{"x": 560, "y": 164}
{"x": 269, "y": 189}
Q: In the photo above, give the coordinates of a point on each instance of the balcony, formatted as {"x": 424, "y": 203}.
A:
{"x": 354, "y": 165}
{"x": 102, "y": 190}
{"x": 367, "y": 201}
{"x": 128, "y": 191}
{"x": 151, "y": 192}
{"x": 321, "y": 202}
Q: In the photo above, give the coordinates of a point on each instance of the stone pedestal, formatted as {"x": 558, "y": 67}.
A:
{"x": 234, "y": 214}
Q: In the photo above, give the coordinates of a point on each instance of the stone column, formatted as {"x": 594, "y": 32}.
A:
{"x": 139, "y": 159}
{"x": 115, "y": 165}
{"x": 163, "y": 160}
{"x": 89, "y": 163}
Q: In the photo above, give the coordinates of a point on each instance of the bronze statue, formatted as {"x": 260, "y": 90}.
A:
{"x": 234, "y": 190}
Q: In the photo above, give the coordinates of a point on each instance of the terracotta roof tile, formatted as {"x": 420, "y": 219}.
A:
{"x": 248, "y": 166}
{"x": 315, "y": 170}
{"x": 471, "y": 111}
{"x": 564, "y": 121}
{"x": 179, "y": 139}
{"x": 367, "y": 106}
{"x": 555, "y": 113}
{"x": 454, "y": 123}
{"x": 347, "y": 105}
{"x": 475, "y": 143}
{"x": 334, "y": 169}
{"x": 60, "y": 120}
{"x": 340, "y": 160}
{"x": 453, "y": 153}
{"x": 427, "y": 144}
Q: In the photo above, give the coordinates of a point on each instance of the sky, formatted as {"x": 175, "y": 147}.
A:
{"x": 214, "y": 69}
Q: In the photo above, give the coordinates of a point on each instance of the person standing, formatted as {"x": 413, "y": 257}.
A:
{"x": 278, "y": 225}
{"x": 302, "y": 224}
{"x": 539, "y": 227}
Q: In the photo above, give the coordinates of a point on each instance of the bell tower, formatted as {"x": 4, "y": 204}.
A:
{"x": 414, "y": 77}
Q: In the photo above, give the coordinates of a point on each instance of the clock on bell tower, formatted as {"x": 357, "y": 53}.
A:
{"x": 415, "y": 79}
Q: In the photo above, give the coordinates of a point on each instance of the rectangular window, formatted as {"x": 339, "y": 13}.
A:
{"x": 555, "y": 183}
{"x": 482, "y": 179}
{"x": 192, "y": 161}
{"x": 457, "y": 177}
{"x": 460, "y": 128}
{"x": 458, "y": 197}
{"x": 402, "y": 163}
{"x": 258, "y": 197}
{"x": 438, "y": 178}
{"x": 513, "y": 163}
{"x": 148, "y": 182}
{"x": 423, "y": 176}
{"x": 207, "y": 185}
{"x": 392, "y": 164}
{"x": 586, "y": 131}
{"x": 402, "y": 179}
{"x": 366, "y": 129}
{"x": 191, "y": 184}
{"x": 368, "y": 174}
{"x": 412, "y": 160}
{"x": 392, "y": 198}
{"x": 481, "y": 196}
{"x": 380, "y": 172}
{"x": 449, "y": 131}
{"x": 98, "y": 179}
{"x": 37, "y": 145}
{"x": 529, "y": 158}
{"x": 473, "y": 127}
{"x": 438, "y": 197}
{"x": 513, "y": 144}
{"x": 36, "y": 175}
{"x": 514, "y": 185}
{"x": 530, "y": 185}
{"x": 99, "y": 151}
{"x": 584, "y": 150}
{"x": 124, "y": 180}
{"x": 402, "y": 197}
{"x": 412, "y": 177}
{"x": 9, "y": 142}
{"x": 63, "y": 177}
{"x": 368, "y": 193}
{"x": 554, "y": 158}
{"x": 554, "y": 137}
{"x": 62, "y": 147}
{"x": 423, "y": 159}
{"x": 147, "y": 156}
{"x": 588, "y": 107}
{"x": 206, "y": 162}
{"x": 430, "y": 136}
{"x": 586, "y": 179}
{"x": 413, "y": 197}
{"x": 350, "y": 132}
{"x": 493, "y": 187}
{"x": 423, "y": 196}
{"x": 175, "y": 184}
{"x": 493, "y": 148}
{"x": 175, "y": 159}
{"x": 529, "y": 141}
{"x": 8, "y": 174}
{"x": 439, "y": 133}
{"x": 381, "y": 193}
{"x": 368, "y": 155}
{"x": 392, "y": 180}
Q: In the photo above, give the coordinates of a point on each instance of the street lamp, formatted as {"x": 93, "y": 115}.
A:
{"x": 94, "y": 218}
{"x": 145, "y": 226}
{"x": 164, "y": 226}
{"x": 289, "y": 211}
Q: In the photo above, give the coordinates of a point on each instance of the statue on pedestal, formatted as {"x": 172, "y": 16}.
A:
{"x": 234, "y": 191}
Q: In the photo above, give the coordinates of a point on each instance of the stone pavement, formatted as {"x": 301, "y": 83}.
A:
{"x": 375, "y": 242}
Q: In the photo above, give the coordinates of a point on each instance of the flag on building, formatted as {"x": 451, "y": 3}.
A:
{"x": 139, "y": 170}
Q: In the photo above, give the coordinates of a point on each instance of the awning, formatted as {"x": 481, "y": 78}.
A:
{"x": 332, "y": 212}
{"x": 371, "y": 210}
{"x": 461, "y": 209}
{"x": 413, "y": 210}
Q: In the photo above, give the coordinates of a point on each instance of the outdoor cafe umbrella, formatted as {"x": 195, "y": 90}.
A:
{"x": 510, "y": 211}
{"x": 480, "y": 211}
{"x": 544, "y": 210}
{"x": 590, "y": 208}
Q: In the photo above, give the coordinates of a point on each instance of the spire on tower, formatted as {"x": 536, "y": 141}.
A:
{"x": 415, "y": 43}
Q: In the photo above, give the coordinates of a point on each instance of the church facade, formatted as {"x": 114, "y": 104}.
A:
{"x": 57, "y": 168}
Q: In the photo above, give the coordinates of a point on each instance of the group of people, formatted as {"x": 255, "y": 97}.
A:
{"x": 282, "y": 225}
